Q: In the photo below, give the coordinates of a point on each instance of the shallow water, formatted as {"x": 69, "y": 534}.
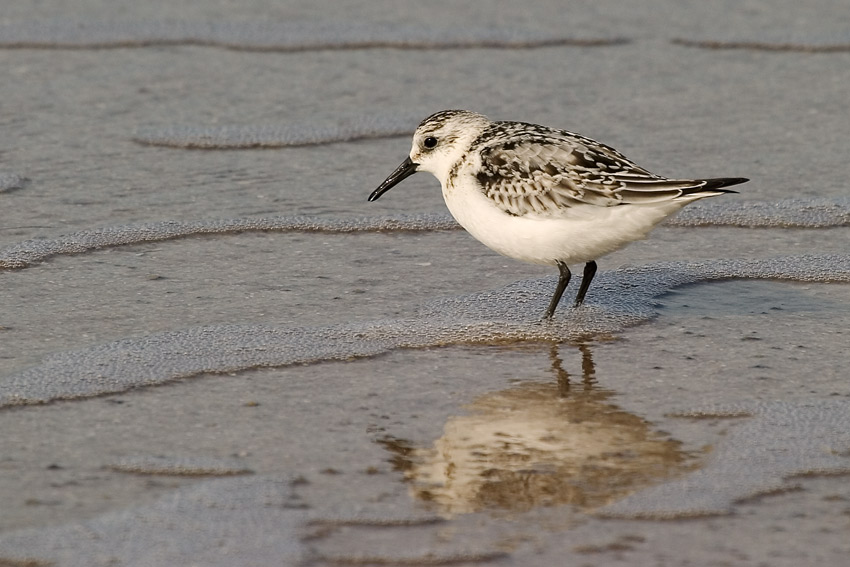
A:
{"x": 380, "y": 383}
{"x": 502, "y": 315}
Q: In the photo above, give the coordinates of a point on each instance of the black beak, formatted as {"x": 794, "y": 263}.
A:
{"x": 405, "y": 170}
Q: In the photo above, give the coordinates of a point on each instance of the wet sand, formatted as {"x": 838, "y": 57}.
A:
{"x": 260, "y": 393}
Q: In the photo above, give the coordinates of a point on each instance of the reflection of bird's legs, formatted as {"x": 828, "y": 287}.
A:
{"x": 588, "y": 369}
{"x": 558, "y": 366}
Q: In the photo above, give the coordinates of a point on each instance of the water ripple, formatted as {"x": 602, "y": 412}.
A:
{"x": 28, "y": 252}
{"x": 511, "y": 313}
{"x": 786, "y": 213}
{"x": 234, "y": 136}
{"x": 179, "y": 466}
{"x": 779, "y": 41}
{"x": 286, "y": 36}
{"x": 791, "y": 213}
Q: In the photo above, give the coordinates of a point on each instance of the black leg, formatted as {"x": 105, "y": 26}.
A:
{"x": 559, "y": 289}
{"x": 589, "y": 272}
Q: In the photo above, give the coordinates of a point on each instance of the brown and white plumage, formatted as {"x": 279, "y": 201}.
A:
{"x": 543, "y": 195}
{"x": 545, "y": 175}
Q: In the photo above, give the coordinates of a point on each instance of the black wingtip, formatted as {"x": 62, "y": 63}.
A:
{"x": 717, "y": 184}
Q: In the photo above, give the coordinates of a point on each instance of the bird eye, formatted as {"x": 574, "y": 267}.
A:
{"x": 429, "y": 142}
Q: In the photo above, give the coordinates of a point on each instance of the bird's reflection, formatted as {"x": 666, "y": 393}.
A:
{"x": 539, "y": 444}
{"x": 588, "y": 370}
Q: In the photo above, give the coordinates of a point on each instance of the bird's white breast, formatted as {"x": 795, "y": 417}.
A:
{"x": 582, "y": 234}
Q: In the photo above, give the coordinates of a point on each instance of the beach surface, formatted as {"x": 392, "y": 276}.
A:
{"x": 215, "y": 351}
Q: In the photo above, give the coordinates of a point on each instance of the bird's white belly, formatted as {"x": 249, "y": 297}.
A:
{"x": 584, "y": 233}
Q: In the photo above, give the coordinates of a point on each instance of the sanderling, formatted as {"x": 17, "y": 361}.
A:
{"x": 543, "y": 195}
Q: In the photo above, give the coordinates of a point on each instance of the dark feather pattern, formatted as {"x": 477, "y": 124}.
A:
{"x": 531, "y": 169}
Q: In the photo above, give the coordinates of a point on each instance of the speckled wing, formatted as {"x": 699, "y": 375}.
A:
{"x": 548, "y": 174}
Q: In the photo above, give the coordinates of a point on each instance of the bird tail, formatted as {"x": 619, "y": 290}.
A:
{"x": 717, "y": 185}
